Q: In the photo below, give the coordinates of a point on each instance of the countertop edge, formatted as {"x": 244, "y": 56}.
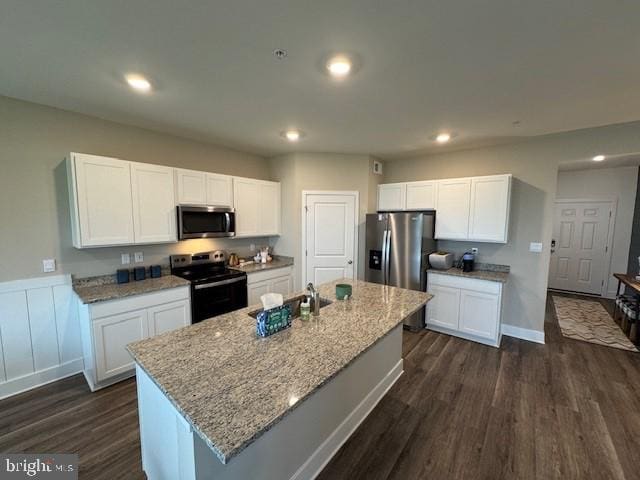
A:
{"x": 179, "y": 283}
{"x": 485, "y": 275}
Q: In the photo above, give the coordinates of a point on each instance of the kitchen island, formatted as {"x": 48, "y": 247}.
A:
{"x": 218, "y": 402}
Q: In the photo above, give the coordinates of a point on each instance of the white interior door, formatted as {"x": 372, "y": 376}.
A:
{"x": 579, "y": 256}
{"x": 330, "y": 236}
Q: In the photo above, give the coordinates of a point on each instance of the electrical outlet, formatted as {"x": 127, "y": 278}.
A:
{"x": 138, "y": 257}
{"x": 49, "y": 265}
{"x": 252, "y": 247}
{"x": 125, "y": 259}
{"x": 474, "y": 250}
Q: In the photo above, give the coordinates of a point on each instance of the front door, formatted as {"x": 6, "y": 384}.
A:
{"x": 330, "y": 236}
{"x": 579, "y": 248}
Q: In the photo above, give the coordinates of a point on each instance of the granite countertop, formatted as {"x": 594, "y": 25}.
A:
{"x": 490, "y": 275}
{"x": 92, "y": 292}
{"x": 277, "y": 262}
{"x": 233, "y": 386}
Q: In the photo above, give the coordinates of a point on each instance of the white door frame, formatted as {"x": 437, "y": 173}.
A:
{"x": 613, "y": 202}
{"x": 352, "y": 193}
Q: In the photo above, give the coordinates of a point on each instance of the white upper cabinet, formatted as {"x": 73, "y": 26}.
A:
{"x": 257, "y": 205}
{"x": 117, "y": 202}
{"x": 421, "y": 195}
{"x": 191, "y": 187}
{"x": 452, "y": 215}
{"x": 202, "y": 188}
{"x": 154, "y": 204}
{"x": 246, "y": 203}
{"x": 473, "y": 208}
{"x": 100, "y": 200}
{"x": 489, "y": 211}
{"x": 392, "y": 196}
{"x": 219, "y": 190}
{"x": 269, "y": 208}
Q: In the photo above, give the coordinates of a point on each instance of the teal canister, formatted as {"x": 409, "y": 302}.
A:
{"x": 343, "y": 291}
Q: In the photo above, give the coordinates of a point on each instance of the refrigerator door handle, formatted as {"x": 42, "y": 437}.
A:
{"x": 384, "y": 257}
{"x": 388, "y": 264}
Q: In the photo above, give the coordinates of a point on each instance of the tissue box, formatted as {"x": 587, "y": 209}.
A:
{"x": 273, "y": 320}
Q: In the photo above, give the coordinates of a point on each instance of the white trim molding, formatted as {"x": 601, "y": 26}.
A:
{"x": 523, "y": 333}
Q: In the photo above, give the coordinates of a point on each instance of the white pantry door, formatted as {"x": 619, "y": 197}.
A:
{"x": 330, "y": 230}
{"x": 579, "y": 258}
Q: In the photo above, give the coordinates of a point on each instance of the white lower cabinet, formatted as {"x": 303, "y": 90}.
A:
{"x": 444, "y": 307}
{"x": 465, "y": 307}
{"x": 108, "y": 327}
{"x": 479, "y": 313}
{"x": 168, "y": 317}
{"x": 111, "y": 335}
{"x": 278, "y": 280}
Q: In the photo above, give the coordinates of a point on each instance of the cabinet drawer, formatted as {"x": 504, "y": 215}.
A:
{"x": 268, "y": 274}
{"x": 475, "y": 284}
{"x": 113, "y": 307}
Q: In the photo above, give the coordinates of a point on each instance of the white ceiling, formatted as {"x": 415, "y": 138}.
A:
{"x": 473, "y": 67}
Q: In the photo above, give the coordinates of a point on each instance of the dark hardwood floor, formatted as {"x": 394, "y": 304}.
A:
{"x": 567, "y": 409}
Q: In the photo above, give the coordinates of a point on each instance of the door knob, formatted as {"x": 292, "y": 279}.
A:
{"x": 350, "y": 262}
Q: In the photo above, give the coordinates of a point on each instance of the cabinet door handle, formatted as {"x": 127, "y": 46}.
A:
{"x": 350, "y": 262}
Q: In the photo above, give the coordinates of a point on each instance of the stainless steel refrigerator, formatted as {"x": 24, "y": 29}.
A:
{"x": 398, "y": 247}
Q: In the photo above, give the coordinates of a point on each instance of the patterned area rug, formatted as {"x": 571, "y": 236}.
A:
{"x": 587, "y": 320}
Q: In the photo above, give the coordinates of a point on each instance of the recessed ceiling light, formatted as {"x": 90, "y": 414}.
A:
{"x": 138, "y": 82}
{"x": 443, "y": 137}
{"x": 339, "y": 66}
{"x": 292, "y": 135}
{"x": 598, "y": 158}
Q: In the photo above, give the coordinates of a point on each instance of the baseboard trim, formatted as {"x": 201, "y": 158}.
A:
{"x": 325, "y": 452}
{"x": 40, "y": 378}
{"x": 523, "y": 333}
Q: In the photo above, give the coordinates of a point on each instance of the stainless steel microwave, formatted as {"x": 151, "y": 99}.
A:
{"x": 205, "y": 222}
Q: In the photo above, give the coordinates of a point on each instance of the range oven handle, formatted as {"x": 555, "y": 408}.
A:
{"x": 220, "y": 283}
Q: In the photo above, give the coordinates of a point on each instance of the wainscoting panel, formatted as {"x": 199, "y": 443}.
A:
{"x": 39, "y": 333}
{"x": 16, "y": 337}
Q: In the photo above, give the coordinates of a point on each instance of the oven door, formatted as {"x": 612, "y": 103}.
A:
{"x": 218, "y": 297}
{"x": 205, "y": 222}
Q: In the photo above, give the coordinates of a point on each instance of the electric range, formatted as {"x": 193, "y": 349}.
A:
{"x": 215, "y": 288}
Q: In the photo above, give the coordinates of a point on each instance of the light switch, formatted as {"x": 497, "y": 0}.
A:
{"x": 49, "y": 265}
{"x": 138, "y": 257}
{"x": 125, "y": 258}
{"x": 535, "y": 247}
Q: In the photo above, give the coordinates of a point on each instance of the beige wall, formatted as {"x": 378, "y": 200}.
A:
{"x": 607, "y": 183}
{"x": 534, "y": 165}
{"x": 320, "y": 171}
{"x": 34, "y": 210}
